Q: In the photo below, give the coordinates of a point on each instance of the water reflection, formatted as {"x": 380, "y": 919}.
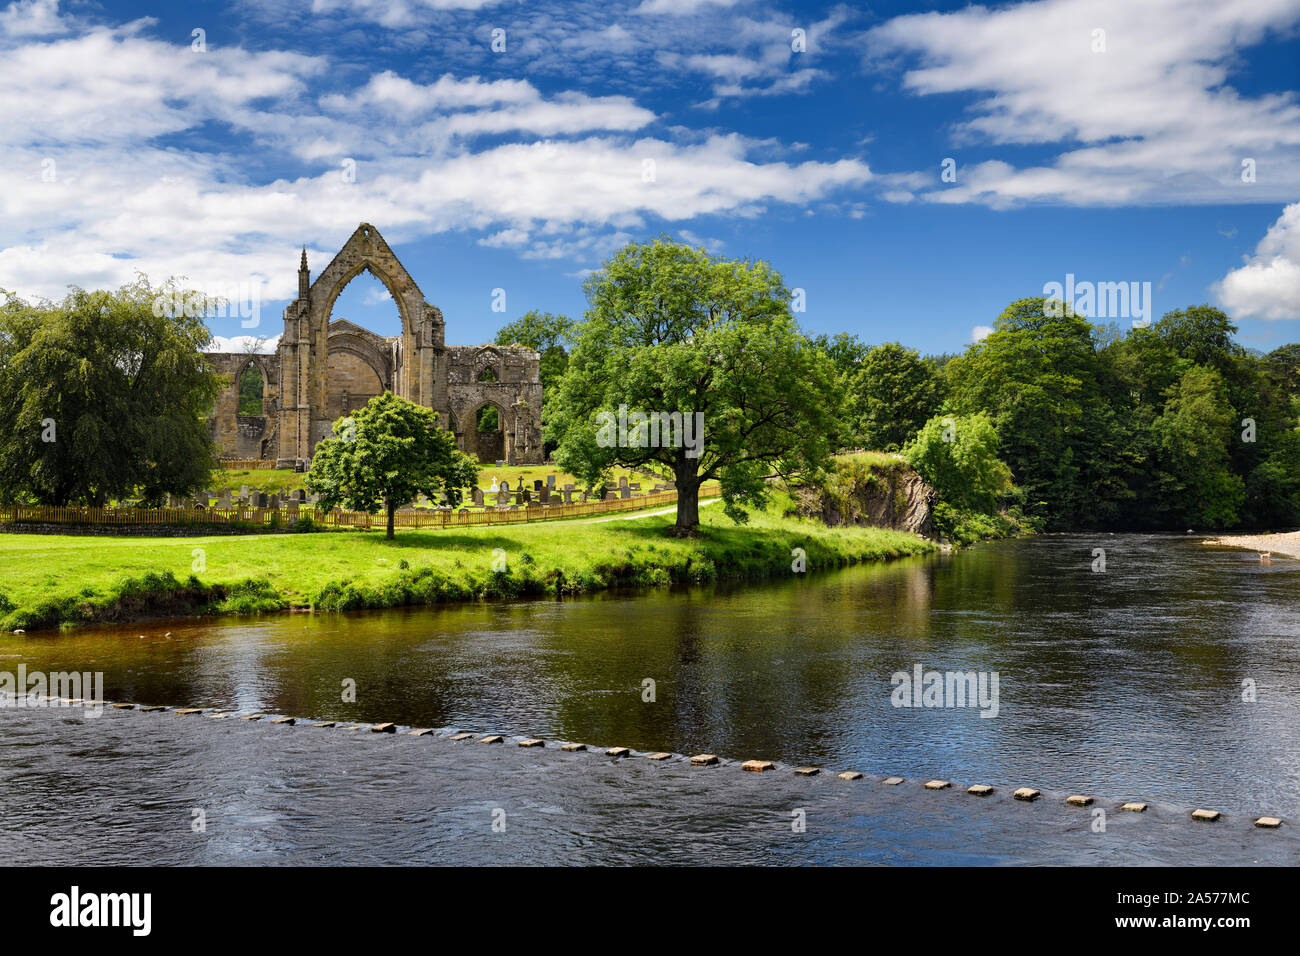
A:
{"x": 1127, "y": 682}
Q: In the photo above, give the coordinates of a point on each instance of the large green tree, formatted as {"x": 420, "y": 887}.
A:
{"x": 893, "y": 394}
{"x": 673, "y": 331}
{"x": 1197, "y": 483}
{"x": 383, "y": 455}
{"x": 546, "y": 334}
{"x": 105, "y": 395}
{"x": 1040, "y": 379}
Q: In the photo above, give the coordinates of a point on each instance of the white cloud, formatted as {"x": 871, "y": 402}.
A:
{"x": 980, "y": 332}
{"x": 93, "y": 186}
{"x": 247, "y": 344}
{"x": 32, "y": 18}
{"x": 679, "y": 7}
{"x": 1268, "y": 285}
{"x": 1151, "y": 119}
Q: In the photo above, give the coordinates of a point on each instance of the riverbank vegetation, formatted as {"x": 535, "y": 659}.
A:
{"x": 49, "y": 580}
{"x": 1161, "y": 427}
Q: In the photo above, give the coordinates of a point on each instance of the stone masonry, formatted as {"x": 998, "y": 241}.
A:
{"x": 324, "y": 369}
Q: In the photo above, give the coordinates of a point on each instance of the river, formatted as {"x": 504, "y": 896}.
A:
{"x": 1170, "y": 677}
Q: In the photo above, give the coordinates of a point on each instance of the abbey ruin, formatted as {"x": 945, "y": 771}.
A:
{"x": 490, "y": 396}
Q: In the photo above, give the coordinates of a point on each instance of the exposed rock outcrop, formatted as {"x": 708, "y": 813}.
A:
{"x": 873, "y": 495}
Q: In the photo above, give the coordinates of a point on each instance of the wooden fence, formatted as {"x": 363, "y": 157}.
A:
{"x": 268, "y": 517}
{"x": 244, "y": 464}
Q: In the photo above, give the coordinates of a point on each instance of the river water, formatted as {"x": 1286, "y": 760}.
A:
{"x": 1170, "y": 677}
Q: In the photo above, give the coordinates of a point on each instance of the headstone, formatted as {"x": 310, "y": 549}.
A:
{"x": 224, "y": 502}
{"x": 622, "y": 481}
{"x": 550, "y": 482}
{"x": 625, "y": 491}
{"x": 611, "y": 495}
{"x": 243, "y": 492}
{"x": 568, "y": 496}
{"x": 635, "y": 486}
{"x": 537, "y": 484}
{"x": 568, "y": 486}
{"x": 300, "y": 494}
{"x": 273, "y": 502}
{"x": 544, "y": 495}
{"x": 503, "y": 496}
{"x": 262, "y": 499}
{"x": 478, "y": 497}
{"x": 291, "y": 508}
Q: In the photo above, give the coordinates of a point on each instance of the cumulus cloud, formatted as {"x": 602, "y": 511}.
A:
{"x": 980, "y": 333}
{"x": 1268, "y": 285}
{"x": 1136, "y": 95}
{"x": 247, "y": 344}
{"x": 98, "y": 180}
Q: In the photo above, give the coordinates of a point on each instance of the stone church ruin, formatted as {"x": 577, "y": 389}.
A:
{"x": 490, "y": 396}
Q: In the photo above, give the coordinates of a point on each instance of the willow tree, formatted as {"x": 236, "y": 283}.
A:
{"x": 692, "y": 367}
{"x": 105, "y": 395}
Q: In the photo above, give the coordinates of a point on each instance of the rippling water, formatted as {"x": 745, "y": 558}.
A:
{"x": 1126, "y": 684}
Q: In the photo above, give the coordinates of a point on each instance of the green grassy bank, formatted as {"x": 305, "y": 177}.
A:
{"x": 50, "y": 580}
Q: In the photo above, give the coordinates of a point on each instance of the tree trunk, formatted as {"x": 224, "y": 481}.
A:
{"x": 392, "y": 510}
{"x": 688, "y": 498}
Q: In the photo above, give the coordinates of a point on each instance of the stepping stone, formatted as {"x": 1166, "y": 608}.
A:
{"x": 420, "y": 732}
{"x": 351, "y": 727}
{"x": 937, "y": 785}
{"x": 703, "y": 760}
{"x": 252, "y": 717}
{"x": 980, "y": 789}
{"x": 573, "y": 748}
{"x": 383, "y": 728}
{"x": 808, "y": 771}
{"x": 850, "y": 775}
{"x": 150, "y": 709}
{"x": 191, "y": 710}
{"x": 324, "y": 723}
{"x": 1271, "y": 823}
{"x": 532, "y": 742}
{"x": 220, "y": 714}
{"x": 617, "y": 752}
{"x": 94, "y": 703}
{"x": 658, "y": 756}
{"x": 893, "y": 781}
{"x": 285, "y": 720}
{"x": 758, "y": 766}
{"x": 492, "y": 739}
{"x": 460, "y": 736}
{"x": 1136, "y": 807}
{"x": 1209, "y": 816}
{"x": 1079, "y": 800}
{"x": 124, "y": 706}
{"x": 1026, "y": 793}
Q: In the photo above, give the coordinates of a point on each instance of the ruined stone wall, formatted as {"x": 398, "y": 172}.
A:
{"x": 505, "y": 377}
{"x": 237, "y": 435}
{"x": 325, "y": 368}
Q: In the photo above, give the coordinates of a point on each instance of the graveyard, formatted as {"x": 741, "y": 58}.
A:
{"x": 498, "y": 486}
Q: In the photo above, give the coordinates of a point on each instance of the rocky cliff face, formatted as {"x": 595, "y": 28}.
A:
{"x": 889, "y": 496}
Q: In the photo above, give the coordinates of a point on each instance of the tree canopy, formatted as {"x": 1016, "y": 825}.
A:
{"x": 692, "y": 367}
{"x": 104, "y": 395}
{"x": 383, "y": 455}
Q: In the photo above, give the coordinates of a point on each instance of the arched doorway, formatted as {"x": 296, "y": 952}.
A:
{"x": 487, "y": 433}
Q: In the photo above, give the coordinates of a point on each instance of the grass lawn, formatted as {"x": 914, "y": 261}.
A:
{"x": 46, "y": 580}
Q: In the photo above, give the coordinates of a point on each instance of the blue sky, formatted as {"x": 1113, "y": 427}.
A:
{"x": 1115, "y": 156}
